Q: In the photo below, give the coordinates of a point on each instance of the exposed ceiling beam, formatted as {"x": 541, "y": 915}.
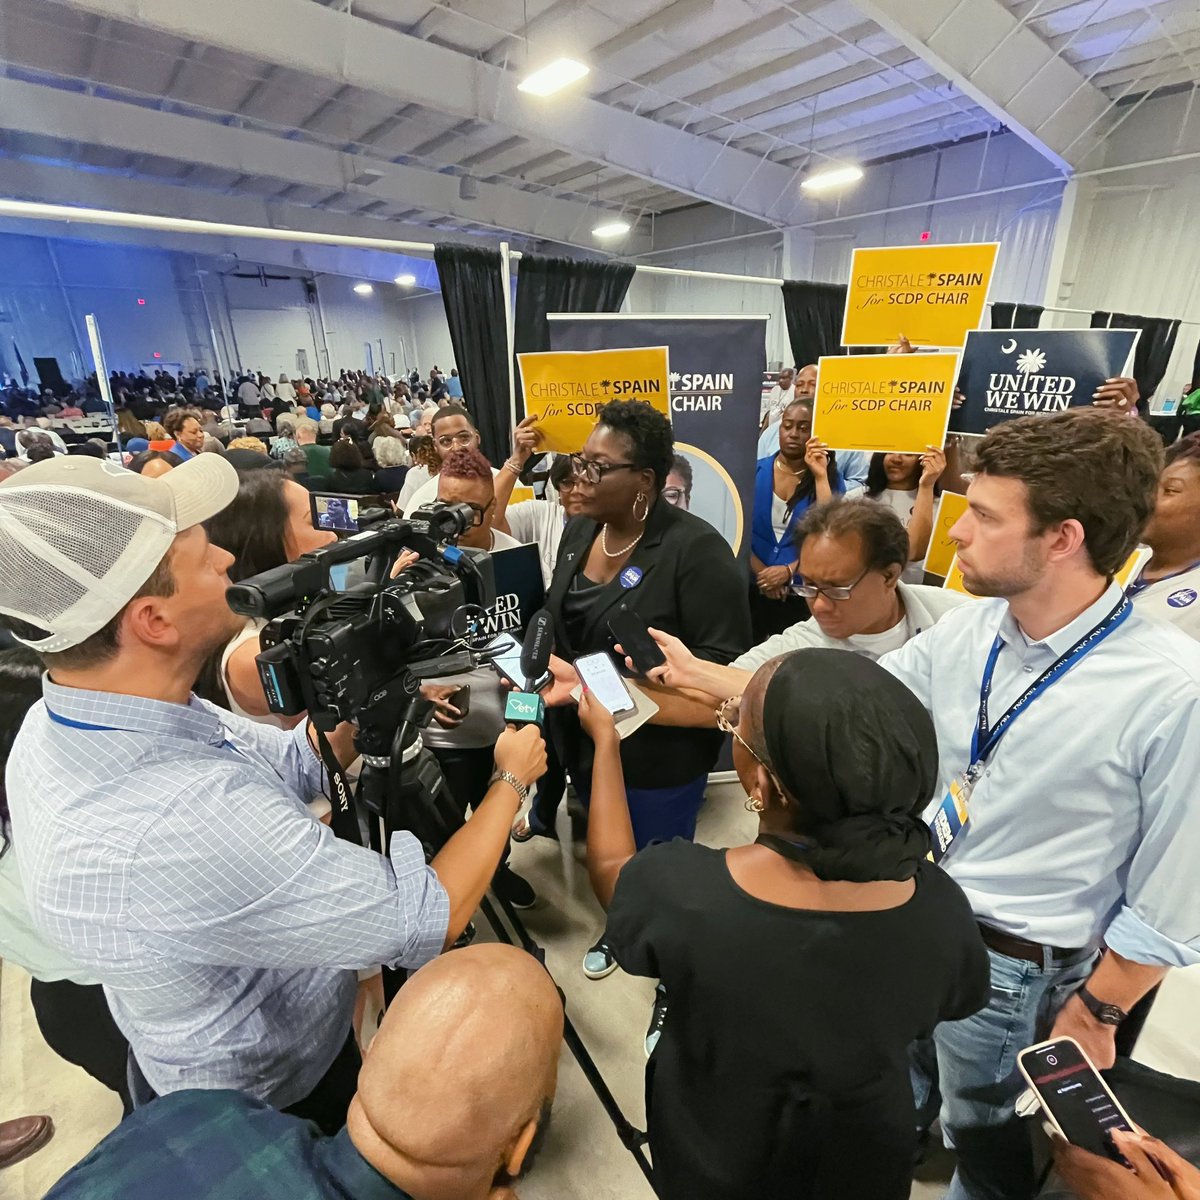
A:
{"x": 310, "y": 39}
{"x": 1003, "y": 65}
{"x": 776, "y": 66}
{"x": 45, "y": 183}
{"x": 663, "y": 21}
{"x": 54, "y": 113}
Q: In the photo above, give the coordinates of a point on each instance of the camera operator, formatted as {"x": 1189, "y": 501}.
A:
{"x": 462, "y": 741}
{"x": 163, "y": 842}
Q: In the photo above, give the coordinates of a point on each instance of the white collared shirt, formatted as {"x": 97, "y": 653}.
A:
{"x": 1085, "y": 823}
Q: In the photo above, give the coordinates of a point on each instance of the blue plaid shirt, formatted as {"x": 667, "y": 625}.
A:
{"x": 167, "y": 849}
{"x": 222, "y": 1146}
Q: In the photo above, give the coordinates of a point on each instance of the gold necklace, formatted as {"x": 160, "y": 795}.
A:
{"x": 618, "y": 553}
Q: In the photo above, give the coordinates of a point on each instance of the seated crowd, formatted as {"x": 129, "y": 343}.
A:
{"x": 201, "y": 942}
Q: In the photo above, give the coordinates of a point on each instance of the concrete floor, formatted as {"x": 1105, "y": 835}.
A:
{"x": 582, "y": 1156}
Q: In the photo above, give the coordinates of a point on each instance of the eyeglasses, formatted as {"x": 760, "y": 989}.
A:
{"x": 728, "y": 718}
{"x": 480, "y": 513}
{"x": 830, "y": 591}
{"x": 673, "y": 495}
{"x": 591, "y": 471}
{"x": 465, "y": 438}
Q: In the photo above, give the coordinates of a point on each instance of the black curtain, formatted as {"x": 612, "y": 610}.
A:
{"x": 473, "y": 295}
{"x": 546, "y": 285}
{"x": 1153, "y": 349}
{"x": 814, "y": 313}
{"x": 1016, "y": 316}
{"x": 1194, "y": 382}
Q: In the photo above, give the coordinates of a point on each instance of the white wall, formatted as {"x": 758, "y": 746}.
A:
{"x": 426, "y": 332}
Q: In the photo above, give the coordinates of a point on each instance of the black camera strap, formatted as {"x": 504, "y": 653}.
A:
{"x": 343, "y": 820}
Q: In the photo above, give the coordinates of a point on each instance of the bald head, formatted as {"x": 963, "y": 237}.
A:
{"x": 806, "y": 381}
{"x": 460, "y": 1071}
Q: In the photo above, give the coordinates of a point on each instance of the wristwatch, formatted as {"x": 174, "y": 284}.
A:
{"x": 522, "y": 791}
{"x": 1106, "y": 1014}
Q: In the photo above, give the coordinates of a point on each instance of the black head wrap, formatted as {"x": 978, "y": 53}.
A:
{"x": 858, "y": 752}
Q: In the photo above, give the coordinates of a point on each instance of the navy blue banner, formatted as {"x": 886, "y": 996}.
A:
{"x": 1009, "y": 373}
{"x": 716, "y": 370}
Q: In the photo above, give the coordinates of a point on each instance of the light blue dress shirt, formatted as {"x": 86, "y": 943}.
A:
{"x": 171, "y": 854}
{"x": 852, "y": 465}
{"x": 1086, "y": 822}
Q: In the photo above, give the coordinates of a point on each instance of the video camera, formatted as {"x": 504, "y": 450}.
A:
{"x": 357, "y": 654}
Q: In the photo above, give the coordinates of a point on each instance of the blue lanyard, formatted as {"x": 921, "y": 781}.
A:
{"x": 985, "y": 738}
{"x": 1141, "y": 583}
{"x": 58, "y": 719}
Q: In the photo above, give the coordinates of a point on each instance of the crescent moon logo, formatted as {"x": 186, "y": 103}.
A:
{"x": 1009, "y": 346}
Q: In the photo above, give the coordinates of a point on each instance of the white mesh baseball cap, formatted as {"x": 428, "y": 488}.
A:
{"x": 79, "y": 536}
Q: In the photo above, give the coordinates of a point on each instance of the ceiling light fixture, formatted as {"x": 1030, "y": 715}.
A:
{"x": 553, "y": 77}
{"x": 405, "y": 280}
{"x": 836, "y": 177}
{"x": 363, "y": 289}
{"x": 611, "y": 229}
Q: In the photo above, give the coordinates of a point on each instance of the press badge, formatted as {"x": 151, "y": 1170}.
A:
{"x": 951, "y": 818}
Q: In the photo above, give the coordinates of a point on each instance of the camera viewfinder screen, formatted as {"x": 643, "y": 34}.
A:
{"x": 339, "y": 513}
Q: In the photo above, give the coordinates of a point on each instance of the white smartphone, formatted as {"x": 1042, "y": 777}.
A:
{"x": 1076, "y": 1101}
{"x": 598, "y": 673}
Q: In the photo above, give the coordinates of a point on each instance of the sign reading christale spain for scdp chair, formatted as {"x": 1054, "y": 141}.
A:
{"x": 932, "y": 295}
{"x": 897, "y": 403}
{"x": 1009, "y": 373}
{"x": 566, "y": 389}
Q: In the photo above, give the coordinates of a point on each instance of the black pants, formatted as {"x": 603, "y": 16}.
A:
{"x": 769, "y": 617}
{"x": 550, "y": 790}
{"x": 326, "y": 1105}
{"x": 76, "y": 1022}
{"x": 468, "y": 770}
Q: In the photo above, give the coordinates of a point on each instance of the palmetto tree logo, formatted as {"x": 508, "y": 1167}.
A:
{"x": 1030, "y": 362}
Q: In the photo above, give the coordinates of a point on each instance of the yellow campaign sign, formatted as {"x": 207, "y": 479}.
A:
{"x": 565, "y": 389}
{"x": 954, "y": 580}
{"x": 932, "y": 295}
{"x": 896, "y": 403}
{"x": 941, "y": 550}
{"x": 1132, "y": 567}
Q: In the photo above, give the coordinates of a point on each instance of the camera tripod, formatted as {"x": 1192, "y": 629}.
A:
{"x": 402, "y": 789}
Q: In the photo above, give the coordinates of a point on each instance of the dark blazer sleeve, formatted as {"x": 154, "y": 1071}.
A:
{"x": 713, "y": 599}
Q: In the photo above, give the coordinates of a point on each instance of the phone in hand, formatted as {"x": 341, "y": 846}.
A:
{"x": 632, "y": 634}
{"x": 461, "y": 699}
{"x": 1076, "y": 1101}
{"x": 504, "y": 655}
{"x": 598, "y": 673}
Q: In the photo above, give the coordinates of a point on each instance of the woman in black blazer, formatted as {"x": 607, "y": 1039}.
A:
{"x": 630, "y": 550}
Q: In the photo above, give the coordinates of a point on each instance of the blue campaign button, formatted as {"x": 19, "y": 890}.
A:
{"x": 1182, "y": 598}
{"x": 631, "y": 577}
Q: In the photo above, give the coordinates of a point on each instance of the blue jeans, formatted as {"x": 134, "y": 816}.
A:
{"x": 977, "y": 1072}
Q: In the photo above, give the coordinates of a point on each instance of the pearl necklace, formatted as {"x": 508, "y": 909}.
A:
{"x": 618, "y": 553}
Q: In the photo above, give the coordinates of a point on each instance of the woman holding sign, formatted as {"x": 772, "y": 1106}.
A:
{"x": 908, "y": 485}
{"x": 787, "y": 484}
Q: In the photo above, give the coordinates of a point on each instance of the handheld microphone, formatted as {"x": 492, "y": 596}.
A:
{"x": 527, "y": 707}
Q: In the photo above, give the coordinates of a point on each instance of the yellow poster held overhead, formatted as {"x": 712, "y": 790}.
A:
{"x": 941, "y": 550}
{"x": 931, "y": 295}
{"x": 566, "y": 389}
{"x": 898, "y": 403}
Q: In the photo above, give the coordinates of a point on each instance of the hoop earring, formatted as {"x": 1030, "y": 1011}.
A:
{"x": 755, "y": 804}
{"x": 643, "y": 499}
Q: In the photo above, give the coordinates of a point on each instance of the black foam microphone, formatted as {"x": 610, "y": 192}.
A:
{"x": 527, "y": 707}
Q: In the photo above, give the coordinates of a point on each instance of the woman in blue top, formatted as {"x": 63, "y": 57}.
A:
{"x": 787, "y": 484}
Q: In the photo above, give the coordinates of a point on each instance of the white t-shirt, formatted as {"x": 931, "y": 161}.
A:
{"x": 416, "y": 479}
{"x": 1175, "y": 599}
{"x": 539, "y": 522}
{"x": 923, "y": 607}
{"x": 775, "y": 401}
{"x": 426, "y": 493}
{"x": 484, "y": 721}
{"x": 779, "y": 516}
{"x": 901, "y": 502}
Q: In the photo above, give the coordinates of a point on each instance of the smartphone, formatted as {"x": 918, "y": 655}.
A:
{"x": 461, "y": 699}
{"x": 633, "y": 636}
{"x": 505, "y": 653}
{"x": 598, "y": 673}
{"x": 333, "y": 511}
{"x": 1076, "y": 1100}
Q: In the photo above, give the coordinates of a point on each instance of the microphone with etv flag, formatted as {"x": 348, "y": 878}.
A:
{"x": 526, "y": 707}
